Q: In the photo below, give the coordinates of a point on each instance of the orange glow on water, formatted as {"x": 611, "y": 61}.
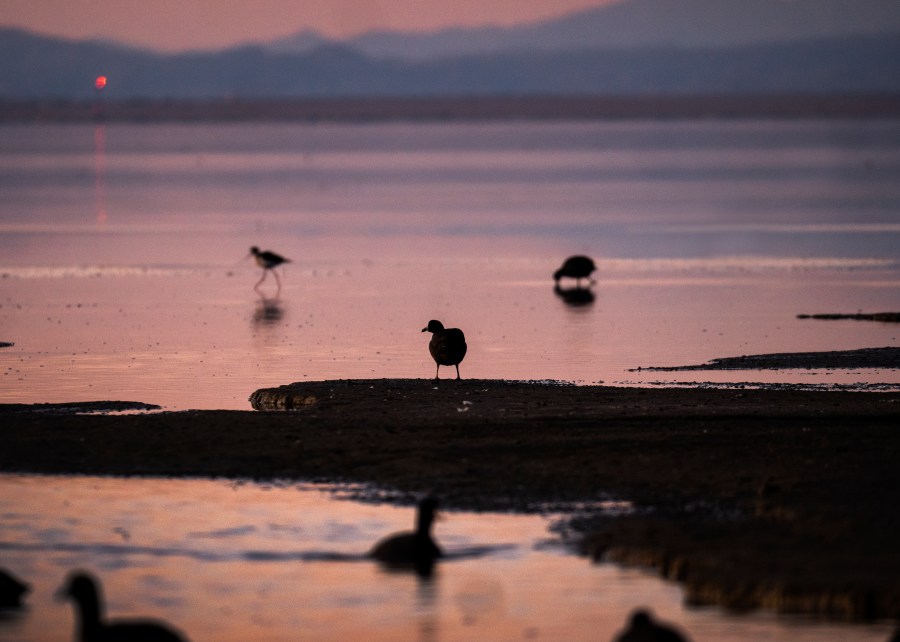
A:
{"x": 100, "y": 82}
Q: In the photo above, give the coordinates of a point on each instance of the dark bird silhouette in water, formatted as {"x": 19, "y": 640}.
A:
{"x": 12, "y": 590}
{"x": 576, "y": 267}
{"x": 447, "y": 346}
{"x": 574, "y": 296}
{"x": 84, "y": 590}
{"x": 643, "y": 628}
{"x": 267, "y": 261}
{"x": 414, "y": 550}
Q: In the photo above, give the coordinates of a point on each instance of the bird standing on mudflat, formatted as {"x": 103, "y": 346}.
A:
{"x": 576, "y": 267}
{"x": 447, "y": 346}
{"x": 268, "y": 261}
{"x": 84, "y": 590}
{"x": 417, "y": 549}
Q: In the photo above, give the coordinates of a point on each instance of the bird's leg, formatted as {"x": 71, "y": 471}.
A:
{"x": 278, "y": 281}
{"x": 437, "y": 372}
{"x": 258, "y": 283}
{"x": 457, "y": 372}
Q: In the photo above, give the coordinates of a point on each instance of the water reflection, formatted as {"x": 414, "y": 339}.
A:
{"x": 100, "y": 173}
{"x": 228, "y": 562}
{"x": 575, "y": 296}
{"x": 268, "y": 312}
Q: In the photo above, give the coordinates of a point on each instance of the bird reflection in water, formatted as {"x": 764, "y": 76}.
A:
{"x": 576, "y": 296}
{"x": 268, "y": 312}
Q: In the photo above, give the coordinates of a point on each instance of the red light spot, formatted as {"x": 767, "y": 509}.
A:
{"x": 100, "y": 83}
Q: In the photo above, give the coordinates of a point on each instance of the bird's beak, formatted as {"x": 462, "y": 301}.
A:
{"x": 424, "y": 329}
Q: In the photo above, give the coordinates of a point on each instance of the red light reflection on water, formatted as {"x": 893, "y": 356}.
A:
{"x": 100, "y": 170}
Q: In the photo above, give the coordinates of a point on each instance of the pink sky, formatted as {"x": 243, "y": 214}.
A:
{"x": 175, "y": 25}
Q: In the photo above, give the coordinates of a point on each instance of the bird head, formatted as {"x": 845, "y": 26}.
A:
{"x": 433, "y": 326}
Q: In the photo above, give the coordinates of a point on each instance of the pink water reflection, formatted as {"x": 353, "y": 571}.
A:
{"x": 226, "y": 562}
{"x": 200, "y": 337}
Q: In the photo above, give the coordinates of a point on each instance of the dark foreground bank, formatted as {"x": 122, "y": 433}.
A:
{"x": 782, "y": 499}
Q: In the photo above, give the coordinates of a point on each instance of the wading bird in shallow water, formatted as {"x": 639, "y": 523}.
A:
{"x": 644, "y": 629}
{"x": 267, "y": 261}
{"x": 447, "y": 346}
{"x": 414, "y": 550}
{"x": 84, "y": 590}
{"x": 576, "y": 267}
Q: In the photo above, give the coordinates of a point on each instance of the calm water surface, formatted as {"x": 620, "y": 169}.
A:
{"x": 123, "y": 273}
{"x": 235, "y": 562}
{"x": 123, "y": 276}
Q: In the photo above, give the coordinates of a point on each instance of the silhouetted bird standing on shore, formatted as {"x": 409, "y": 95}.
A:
{"x": 268, "y": 261}
{"x": 11, "y": 590}
{"x": 84, "y": 590}
{"x": 643, "y": 629}
{"x": 417, "y": 549}
{"x": 576, "y": 267}
{"x": 447, "y": 346}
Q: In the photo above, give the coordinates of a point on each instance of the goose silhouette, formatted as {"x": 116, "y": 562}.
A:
{"x": 267, "y": 261}
{"x": 642, "y": 628}
{"x": 416, "y": 549}
{"x": 447, "y": 346}
{"x": 84, "y": 590}
{"x": 576, "y": 267}
{"x": 12, "y": 590}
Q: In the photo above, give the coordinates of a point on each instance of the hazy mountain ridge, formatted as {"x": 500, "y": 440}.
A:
{"x": 34, "y": 66}
{"x": 635, "y": 24}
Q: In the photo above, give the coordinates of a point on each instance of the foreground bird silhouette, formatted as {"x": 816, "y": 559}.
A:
{"x": 267, "y": 261}
{"x": 576, "y": 267}
{"x": 416, "y": 549}
{"x": 447, "y": 346}
{"x": 643, "y": 629}
{"x": 12, "y": 589}
{"x": 84, "y": 590}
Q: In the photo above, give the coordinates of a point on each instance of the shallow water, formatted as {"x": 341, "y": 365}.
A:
{"x": 122, "y": 277}
{"x": 122, "y": 246}
{"x": 229, "y": 561}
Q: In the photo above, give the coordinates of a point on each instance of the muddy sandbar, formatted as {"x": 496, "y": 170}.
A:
{"x": 784, "y": 499}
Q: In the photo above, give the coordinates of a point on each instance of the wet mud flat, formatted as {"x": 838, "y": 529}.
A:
{"x": 886, "y": 358}
{"x": 780, "y": 499}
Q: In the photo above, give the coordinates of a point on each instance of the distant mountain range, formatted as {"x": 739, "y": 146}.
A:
{"x": 634, "y": 47}
{"x": 634, "y": 24}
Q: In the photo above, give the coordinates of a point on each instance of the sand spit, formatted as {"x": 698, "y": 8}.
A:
{"x": 838, "y": 359}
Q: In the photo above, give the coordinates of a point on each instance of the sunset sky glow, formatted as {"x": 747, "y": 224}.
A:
{"x": 179, "y": 25}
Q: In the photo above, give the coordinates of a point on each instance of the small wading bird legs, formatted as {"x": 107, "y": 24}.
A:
{"x": 268, "y": 261}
